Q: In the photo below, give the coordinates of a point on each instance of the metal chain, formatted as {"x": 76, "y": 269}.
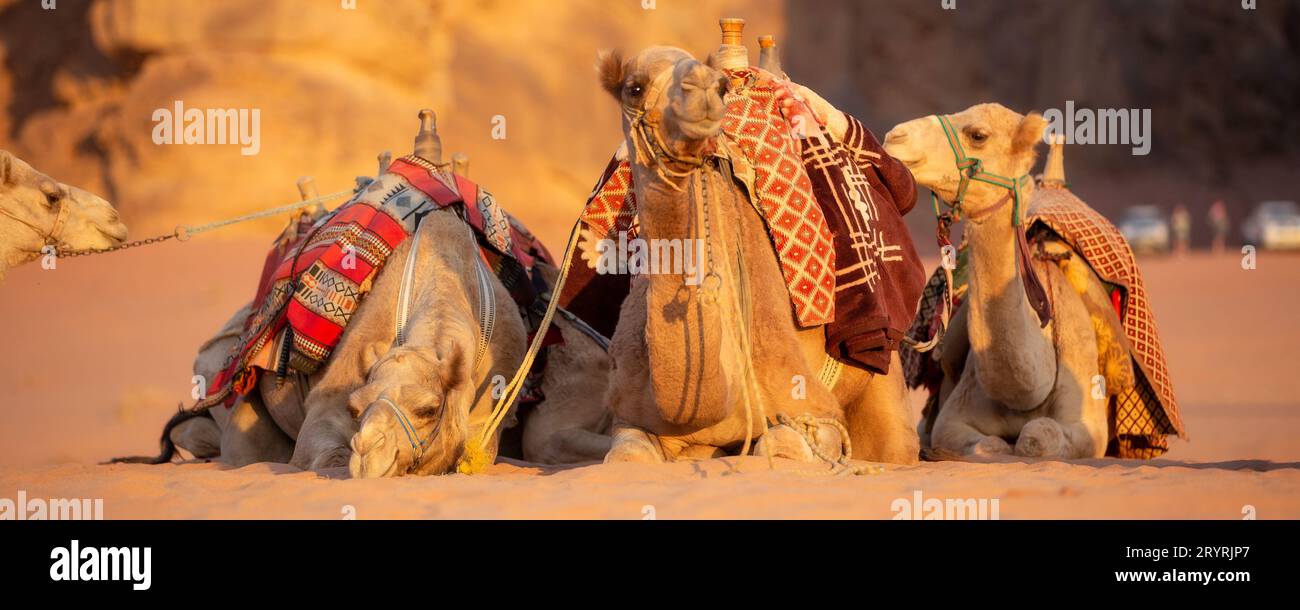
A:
{"x": 185, "y": 232}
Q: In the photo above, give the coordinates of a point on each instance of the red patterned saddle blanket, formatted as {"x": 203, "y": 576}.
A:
{"x": 833, "y": 210}
{"x": 1144, "y": 416}
{"x": 323, "y": 265}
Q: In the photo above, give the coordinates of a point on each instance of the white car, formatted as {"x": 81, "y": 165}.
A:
{"x": 1274, "y": 225}
{"x": 1146, "y": 229}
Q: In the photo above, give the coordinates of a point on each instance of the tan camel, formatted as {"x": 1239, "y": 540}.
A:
{"x": 431, "y": 379}
{"x": 38, "y": 211}
{"x": 681, "y": 385}
{"x": 419, "y": 402}
{"x": 1022, "y": 383}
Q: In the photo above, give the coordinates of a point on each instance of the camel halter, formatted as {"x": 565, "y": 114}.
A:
{"x": 487, "y": 313}
{"x": 646, "y": 140}
{"x": 739, "y": 308}
{"x": 54, "y": 236}
{"x": 971, "y": 169}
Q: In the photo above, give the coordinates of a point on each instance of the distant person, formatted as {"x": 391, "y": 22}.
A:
{"x": 1182, "y": 225}
{"x": 1218, "y": 218}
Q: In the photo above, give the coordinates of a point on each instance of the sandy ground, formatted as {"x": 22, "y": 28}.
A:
{"x": 97, "y": 354}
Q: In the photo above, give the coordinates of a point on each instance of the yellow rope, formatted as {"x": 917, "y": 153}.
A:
{"x": 477, "y": 456}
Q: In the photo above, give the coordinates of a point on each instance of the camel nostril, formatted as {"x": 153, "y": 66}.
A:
{"x": 895, "y": 136}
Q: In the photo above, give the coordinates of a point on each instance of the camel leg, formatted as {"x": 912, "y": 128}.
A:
{"x": 959, "y": 428}
{"x": 784, "y": 442}
{"x": 200, "y": 436}
{"x": 326, "y": 433}
{"x": 1077, "y": 425}
{"x": 634, "y": 445}
{"x": 575, "y": 445}
{"x": 880, "y": 421}
{"x": 250, "y": 436}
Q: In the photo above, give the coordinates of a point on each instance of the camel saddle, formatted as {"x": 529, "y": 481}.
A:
{"x": 1141, "y": 417}
{"x": 324, "y": 264}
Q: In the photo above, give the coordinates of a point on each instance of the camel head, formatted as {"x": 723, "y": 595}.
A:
{"x": 1003, "y": 140}
{"x": 414, "y": 413}
{"x": 672, "y": 103}
{"x": 36, "y": 209}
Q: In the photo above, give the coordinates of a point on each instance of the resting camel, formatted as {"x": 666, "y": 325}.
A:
{"x": 431, "y": 379}
{"x": 37, "y": 210}
{"x": 383, "y": 409}
{"x": 1025, "y": 388}
{"x": 697, "y": 367}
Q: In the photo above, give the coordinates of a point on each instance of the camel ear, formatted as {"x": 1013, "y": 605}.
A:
{"x": 453, "y": 366}
{"x": 1029, "y": 133}
{"x": 6, "y": 167}
{"x": 361, "y": 398}
{"x": 609, "y": 68}
{"x": 371, "y": 354}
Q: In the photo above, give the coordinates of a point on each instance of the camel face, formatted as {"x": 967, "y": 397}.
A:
{"x": 677, "y": 97}
{"x": 1003, "y": 140}
{"x": 35, "y": 200}
{"x": 415, "y": 384}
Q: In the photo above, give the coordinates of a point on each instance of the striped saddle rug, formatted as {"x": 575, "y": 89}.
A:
{"x": 323, "y": 265}
{"x": 1142, "y": 417}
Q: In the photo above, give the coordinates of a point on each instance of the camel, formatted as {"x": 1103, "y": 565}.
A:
{"x": 38, "y": 211}
{"x": 1022, "y": 387}
{"x": 383, "y": 407}
{"x": 698, "y": 368}
{"x": 429, "y": 378}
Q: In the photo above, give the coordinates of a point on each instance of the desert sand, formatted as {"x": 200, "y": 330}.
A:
{"x": 97, "y": 354}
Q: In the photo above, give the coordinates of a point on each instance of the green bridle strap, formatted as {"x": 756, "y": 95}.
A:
{"x": 972, "y": 169}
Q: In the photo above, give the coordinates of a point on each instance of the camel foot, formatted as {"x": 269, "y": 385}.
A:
{"x": 1042, "y": 437}
{"x": 633, "y": 445}
{"x": 784, "y": 442}
{"x": 990, "y": 446}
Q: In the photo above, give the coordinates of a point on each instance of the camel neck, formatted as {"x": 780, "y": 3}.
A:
{"x": 1005, "y": 334}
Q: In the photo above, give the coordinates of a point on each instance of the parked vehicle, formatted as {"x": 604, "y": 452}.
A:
{"x": 1274, "y": 225}
{"x": 1146, "y": 229}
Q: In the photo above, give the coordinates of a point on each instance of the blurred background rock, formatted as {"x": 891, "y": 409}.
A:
{"x": 79, "y": 84}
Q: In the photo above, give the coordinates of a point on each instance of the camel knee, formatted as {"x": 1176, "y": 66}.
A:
{"x": 1042, "y": 437}
{"x": 200, "y": 436}
{"x": 960, "y": 439}
{"x": 568, "y": 446}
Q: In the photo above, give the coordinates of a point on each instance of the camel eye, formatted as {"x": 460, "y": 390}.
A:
{"x": 977, "y": 136}
{"x": 52, "y": 192}
{"x": 635, "y": 91}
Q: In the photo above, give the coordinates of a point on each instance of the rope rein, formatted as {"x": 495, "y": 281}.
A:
{"x": 185, "y": 232}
